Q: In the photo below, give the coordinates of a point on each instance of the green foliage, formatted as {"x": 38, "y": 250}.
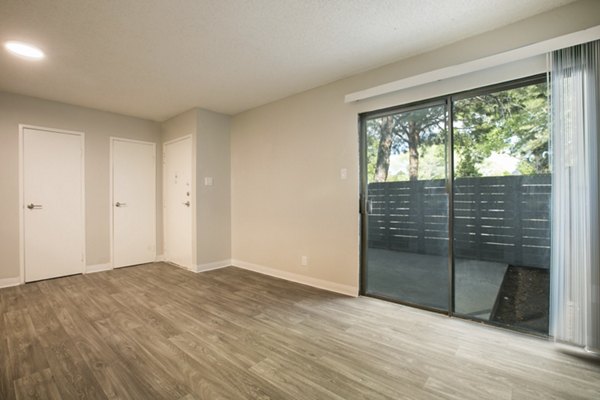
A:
{"x": 431, "y": 166}
{"x": 466, "y": 163}
{"x": 510, "y": 123}
{"x": 513, "y": 122}
{"x": 373, "y": 132}
{"x": 421, "y": 128}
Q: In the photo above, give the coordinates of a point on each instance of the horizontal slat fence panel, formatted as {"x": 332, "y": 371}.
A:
{"x": 500, "y": 219}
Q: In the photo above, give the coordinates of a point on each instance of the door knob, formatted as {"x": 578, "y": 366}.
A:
{"x": 187, "y": 203}
{"x": 32, "y": 206}
{"x": 118, "y": 204}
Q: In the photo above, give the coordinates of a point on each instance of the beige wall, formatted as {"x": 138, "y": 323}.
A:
{"x": 210, "y": 157}
{"x": 180, "y": 125}
{"x": 213, "y": 213}
{"x": 287, "y": 196}
{"x": 98, "y": 126}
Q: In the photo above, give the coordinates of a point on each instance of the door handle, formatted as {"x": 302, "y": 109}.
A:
{"x": 118, "y": 204}
{"x": 32, "y": 206}
{"x": 366, "y": 205}
{"x": 187, "y": 203}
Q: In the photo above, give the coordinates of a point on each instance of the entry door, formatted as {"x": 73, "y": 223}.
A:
{"x": 133, "y": 202}
{"x": 53, "y": 221}
{"x": 177, "y": 172}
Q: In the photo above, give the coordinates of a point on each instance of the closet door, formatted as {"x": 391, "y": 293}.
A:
{"x": 53, "y": 209}
{"x": 133, "y": 202}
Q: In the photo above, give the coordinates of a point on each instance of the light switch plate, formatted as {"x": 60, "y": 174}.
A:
{"x": 343, "y": 173}
{"x": 208, "y": 181}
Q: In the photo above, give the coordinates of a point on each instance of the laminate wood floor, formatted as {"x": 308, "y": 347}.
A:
{"x": 160, "y": 332}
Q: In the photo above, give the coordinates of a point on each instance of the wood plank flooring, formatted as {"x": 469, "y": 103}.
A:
{"x": 160, "y": 332}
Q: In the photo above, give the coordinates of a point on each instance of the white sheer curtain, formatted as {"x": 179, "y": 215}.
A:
{"x": 575, "y": 282}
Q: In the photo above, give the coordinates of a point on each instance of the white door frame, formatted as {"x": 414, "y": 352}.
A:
{"x": 110, "y": 194}
{"x": 193, "y": 197}
{"x": 22, "y": 128}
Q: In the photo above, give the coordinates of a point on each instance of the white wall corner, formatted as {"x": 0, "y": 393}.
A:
{"x": 8, "y": 282}
{"x": 159, "y": 258}
{"x": 213, "y": 265}
{"x": 97, "y": 268}
{"x": 298, "y": 278}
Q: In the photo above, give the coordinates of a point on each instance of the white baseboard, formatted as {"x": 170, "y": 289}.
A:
{"x": 303, "y": 279}
{"x": 8, "y": 282}
{"x": 97, "y": 268}
{"x": 213, "y": 265}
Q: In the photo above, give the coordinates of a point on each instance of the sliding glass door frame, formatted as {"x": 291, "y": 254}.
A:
{"x": 450, "y": 193}
{"x": 364, "y": 201}
{"x": 448, "y": 101}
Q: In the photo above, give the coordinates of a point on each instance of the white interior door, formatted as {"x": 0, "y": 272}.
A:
{"x": 133, "y": 202}
{"x": 177, "y": 172}
{"x": 53, "y": 221}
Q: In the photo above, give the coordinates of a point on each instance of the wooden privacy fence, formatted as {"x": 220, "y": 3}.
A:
{"x": 503, "y": 219}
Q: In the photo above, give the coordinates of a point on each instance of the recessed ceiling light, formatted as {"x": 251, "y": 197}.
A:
{"x": 24, "y": 50}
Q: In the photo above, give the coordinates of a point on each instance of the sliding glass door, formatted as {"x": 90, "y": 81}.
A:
{"x": 407, "y": 206}
{"x": 502, "y": 205}
{"x": 458, "y": 220}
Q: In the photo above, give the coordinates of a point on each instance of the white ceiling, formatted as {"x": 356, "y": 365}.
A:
{"x": 157, "y": 58}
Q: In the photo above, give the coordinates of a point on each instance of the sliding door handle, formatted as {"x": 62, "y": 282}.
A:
{"x": 366, "y": 205}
